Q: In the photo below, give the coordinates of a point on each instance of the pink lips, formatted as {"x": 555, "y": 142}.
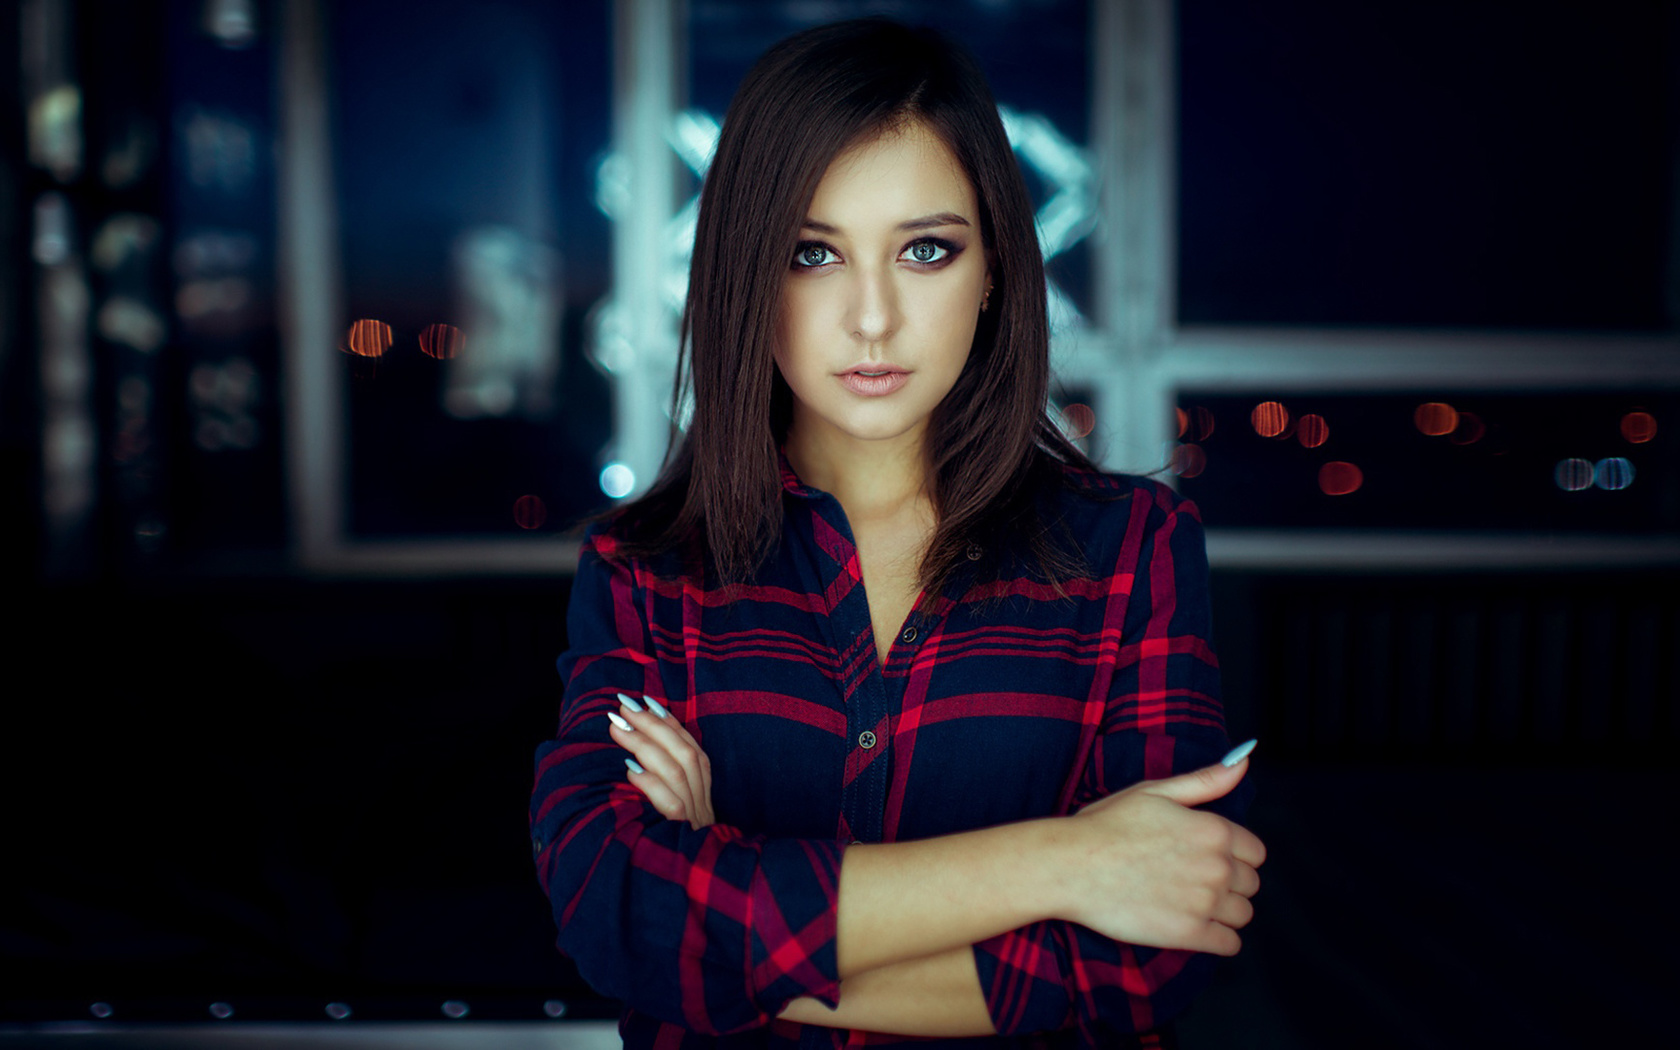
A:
{"x": 874, "y": 380}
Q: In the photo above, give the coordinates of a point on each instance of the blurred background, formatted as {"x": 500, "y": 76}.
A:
{"x": 321, "y": 323}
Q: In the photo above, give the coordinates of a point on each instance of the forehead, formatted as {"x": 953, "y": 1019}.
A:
{"x": 905, "y": 172}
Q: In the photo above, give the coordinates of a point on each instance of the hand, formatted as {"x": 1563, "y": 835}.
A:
{"x": 1150, "y": 870}
{"x": 676, "y": 776}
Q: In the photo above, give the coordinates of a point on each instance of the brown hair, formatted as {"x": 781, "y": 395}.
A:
{"x": 990, "y": 446}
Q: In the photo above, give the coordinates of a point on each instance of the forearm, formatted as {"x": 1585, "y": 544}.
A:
{"x": 937, "y": 995}
{"x": 908, "y": 900}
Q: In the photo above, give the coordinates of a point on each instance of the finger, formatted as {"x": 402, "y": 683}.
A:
{"x": 1247, "y": 847}
{"x": 653, "y": 749}
{"x": 651, "y": 755}
{"x": 658, "y": 795}
{"x": 1244, "y": 879}
{"x": 1199, "y": 785}
{"x": 671, "y": 736}
{"x": 1219, "y": 939}
{"x": 1234, "y": 910}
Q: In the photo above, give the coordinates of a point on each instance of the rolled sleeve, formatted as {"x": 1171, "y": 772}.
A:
{"x": 674, "y": 921}
{"x": 1162, "y": 717}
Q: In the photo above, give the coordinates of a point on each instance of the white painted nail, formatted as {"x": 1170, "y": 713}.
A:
{"x": 620, "y": 722}
{"x": 658, "y": 708}
{"x": 1238, "y": 753}
{"x": 631, "y": 704}
{"x": 635, "y": 766}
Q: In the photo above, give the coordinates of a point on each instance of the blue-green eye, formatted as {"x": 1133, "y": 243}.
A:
{"x": 810, "y": 254}
{"x": 928, "y": 252}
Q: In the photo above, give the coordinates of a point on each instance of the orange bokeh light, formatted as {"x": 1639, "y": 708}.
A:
{"x": 1188, "y": 461}
{"x": 1312, "y": 431}
{"x": 1337, "y": 478}
{"x": 1436, "y": 418}
{"x": 1204, "y": 424}
{"x": 1270, "y": 419}
{"x": 367, "y": 338}
{"x": 1470, "y": 429}
{"x": 441, "y": 341}
{"x": 529, "y": 512}
{"x": 1183, "y": 421}
{"x": 1639, "y": 427}
{"x": 1078, "y": 420}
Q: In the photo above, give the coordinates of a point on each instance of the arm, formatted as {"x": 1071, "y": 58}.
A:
{"x": 1163, "y": 717}
{"x": 708, "y": 928}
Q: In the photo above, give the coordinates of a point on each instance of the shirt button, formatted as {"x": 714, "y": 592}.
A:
{"x": 866, "y": 740}
{"x": 536, "y": 847}
{"x": 909, "y": 635}
{"x": 975, "y": 552}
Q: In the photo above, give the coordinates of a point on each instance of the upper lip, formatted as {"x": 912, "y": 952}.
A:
{"x": 873, "y": 366}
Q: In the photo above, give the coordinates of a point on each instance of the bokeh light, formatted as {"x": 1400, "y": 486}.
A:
{"x": 617, "y": 480}
{"x": 1201, "y": 424}
{"x": 1435, "y": 418}
{"x": 442, "y": 341}
{"x": 1573, "y": 475}
{"x": 1639, "y": 427}
{"x": 1270, "y": 419}
{"x": 529, "y": 512}
{"x": 1613, "y": 473}
{"x": 1338, "y": 478}
{"x": 1312, "y": 431}
{"x": 1183, "y": 421}
{"x": 1469, "y": 430}
{"x": 1078, "y": 420}
{"x": 367, "y": 338}
{"x": 1188, "y": 460}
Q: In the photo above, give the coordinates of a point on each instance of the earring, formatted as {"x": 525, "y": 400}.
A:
{"x": 986, "y": 299}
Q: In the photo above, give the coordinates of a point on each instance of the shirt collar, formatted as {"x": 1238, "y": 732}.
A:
{"x": 790, "y": 480}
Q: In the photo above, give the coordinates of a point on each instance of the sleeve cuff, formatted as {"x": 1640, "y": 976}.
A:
{"x": 793, "y": 900}
{"x": 1021, "y": 978}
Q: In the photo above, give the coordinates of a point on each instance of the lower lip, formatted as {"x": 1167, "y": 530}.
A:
{"x": 875, "y": 385}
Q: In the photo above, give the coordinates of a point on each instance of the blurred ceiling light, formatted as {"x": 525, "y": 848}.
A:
{"x": 529, "y": 512}
{"x": 1270, "y": 419}
{"x": 1613, "y": 473}
{"x": 442, "y": 341}
{"x": 232, "y": 22}
{"x": 1435, "y": 418}
{"x": 1573, "y": 475}
{"x": 1337, "y": 478}
{"x": 1470, "y": 429}
{"x": 1312, "y": 431}
{"x": 367, "y": 338}
{"x": 1639, "y": 426}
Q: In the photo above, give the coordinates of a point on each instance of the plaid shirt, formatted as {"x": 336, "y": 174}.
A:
{"x": 986, "y": 712}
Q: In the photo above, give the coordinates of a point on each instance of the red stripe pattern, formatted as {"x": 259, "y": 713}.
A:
{"x": 999, "y": 701}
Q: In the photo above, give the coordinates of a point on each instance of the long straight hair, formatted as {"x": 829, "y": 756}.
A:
{"x": 990, "y": 444}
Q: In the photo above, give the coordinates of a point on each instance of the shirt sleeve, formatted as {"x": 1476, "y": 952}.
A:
{"x": 1163, "y": 717}
{"x": 711, "y": 929}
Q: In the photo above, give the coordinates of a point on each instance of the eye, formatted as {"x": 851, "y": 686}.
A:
{"x": 929, "y": 252}
{"x": 811, "y": 254}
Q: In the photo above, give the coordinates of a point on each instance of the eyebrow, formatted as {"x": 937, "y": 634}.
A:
{"x": 926, "y": 222}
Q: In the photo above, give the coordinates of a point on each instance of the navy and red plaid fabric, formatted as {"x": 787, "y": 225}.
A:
{"x": 999, "y": 701}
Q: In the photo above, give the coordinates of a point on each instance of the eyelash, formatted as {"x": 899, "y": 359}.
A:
{"x": 950, "y": 249}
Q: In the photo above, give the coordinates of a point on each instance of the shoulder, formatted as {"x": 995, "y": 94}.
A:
{"x": 1099, "y": 500}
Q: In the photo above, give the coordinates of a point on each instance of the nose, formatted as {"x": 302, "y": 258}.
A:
{"x": 874, "y": 307}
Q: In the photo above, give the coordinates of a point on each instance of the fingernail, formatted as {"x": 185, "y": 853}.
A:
{"x": 635, "y": 766}
{"x": 658, "y": 708}
{"x": 620, "y": 723}
{"x": 631, "y": 704}
{"x": 1238, "y": 753}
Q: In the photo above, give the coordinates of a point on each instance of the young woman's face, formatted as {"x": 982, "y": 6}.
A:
{"x": 883, "y": 292}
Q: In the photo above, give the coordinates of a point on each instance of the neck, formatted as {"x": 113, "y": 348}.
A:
{"x": 871, "y": 479}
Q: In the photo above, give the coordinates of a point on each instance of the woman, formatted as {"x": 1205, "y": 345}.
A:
{"x": 913, "y": 651}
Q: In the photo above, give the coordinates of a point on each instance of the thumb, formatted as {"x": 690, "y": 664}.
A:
{"x": 1205, "y": 784}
